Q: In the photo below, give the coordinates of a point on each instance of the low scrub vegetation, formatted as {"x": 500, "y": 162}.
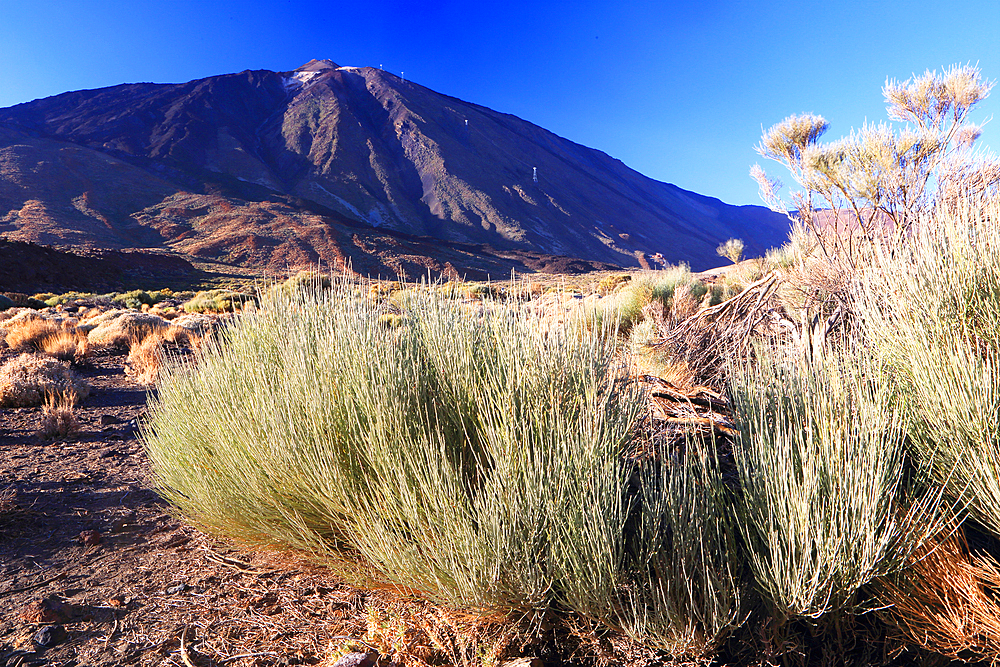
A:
{"x": 30, "y": 379}
{"x": 219, "y": 301}
{"x": 58, "y": 418}
{"x": 794, "y": 483}
{"x": 480, "y": 461}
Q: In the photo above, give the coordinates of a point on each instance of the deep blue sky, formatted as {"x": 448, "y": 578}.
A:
{"x": 678, "y": 91}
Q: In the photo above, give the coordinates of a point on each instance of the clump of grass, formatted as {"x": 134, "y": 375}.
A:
{"x": 58, "y": 418}
{"x": 26, "y": 334}
{"x": 26, "y": 380}
{"x": 117, "y": 328}
{"x": 684, "y": 574}
{"x": 148, "y": 349}
{"x": 931, "y": 309}
{"x": 217, "y": 301}
{"x": 145, "y": 358}
{"x": 57, "y": 338}
{"x": 67, "y": 345}
{"x": 828, "y": 498}
{"x": 479, "y": 460}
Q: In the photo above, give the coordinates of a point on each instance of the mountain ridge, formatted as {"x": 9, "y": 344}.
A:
{"x": 337, "y": 147}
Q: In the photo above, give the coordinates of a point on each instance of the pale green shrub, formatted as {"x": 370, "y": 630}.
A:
{"x": 931, "y": 308}
{"x": 216, "y": 301}
{"x": 479, "y": 459}
{"x": 829, "y": 502}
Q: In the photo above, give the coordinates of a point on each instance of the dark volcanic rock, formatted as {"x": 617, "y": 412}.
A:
{"x": 48, "y": 636}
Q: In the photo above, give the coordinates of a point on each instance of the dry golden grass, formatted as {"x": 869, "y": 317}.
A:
{"x": 946, "y": 602}
{"x": 181, "y": 336}
{"x": 28, "y": 333}
{"x": 145, "y": 358}
{"x": 147, "y": 348}
{"x": 413, "y": 632}
{"x": 58, "y": 418}
{"x": 68, "y": 345}
{"x": 28, "y": 379}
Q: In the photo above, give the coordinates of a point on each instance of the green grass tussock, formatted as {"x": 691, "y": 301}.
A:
{"x": 471, "y": 455}
{"x": 217, "y": 301}
{"x": 829, "y": 501}
{"x": 932, "y": 310}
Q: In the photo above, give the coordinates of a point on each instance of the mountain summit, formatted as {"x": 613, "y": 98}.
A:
{"x": 279, "y": 168}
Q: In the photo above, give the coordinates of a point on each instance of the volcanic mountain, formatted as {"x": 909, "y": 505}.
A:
{"x": 339, "y": 165}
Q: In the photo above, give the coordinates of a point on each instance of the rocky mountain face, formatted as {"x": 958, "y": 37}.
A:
{"x": 339, "y": 165}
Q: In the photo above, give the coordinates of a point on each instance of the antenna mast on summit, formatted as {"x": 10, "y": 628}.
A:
{"x": 534, "y": 174}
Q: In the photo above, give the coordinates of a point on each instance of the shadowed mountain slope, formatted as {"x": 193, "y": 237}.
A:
{"x": 279, "y": 169}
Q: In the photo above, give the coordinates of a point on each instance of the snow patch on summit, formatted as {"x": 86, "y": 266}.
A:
{"x": 300, "y": 80}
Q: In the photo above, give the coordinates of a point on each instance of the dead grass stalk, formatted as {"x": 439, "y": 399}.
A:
{"x": 58, "y": 418}
{"x": 946, "y": 601}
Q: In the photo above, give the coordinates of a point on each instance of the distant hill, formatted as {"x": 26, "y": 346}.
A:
{"x": 342, "y": 165}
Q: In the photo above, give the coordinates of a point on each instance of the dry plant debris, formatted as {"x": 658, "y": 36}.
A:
{"x": 947, "y": 601}
{"x": 706, "y": 337}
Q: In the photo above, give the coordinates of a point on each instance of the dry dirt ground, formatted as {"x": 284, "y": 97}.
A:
{"x": 130, "y": 592}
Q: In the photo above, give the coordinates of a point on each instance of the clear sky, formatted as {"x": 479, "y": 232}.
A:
{"x": 678, "y": 91}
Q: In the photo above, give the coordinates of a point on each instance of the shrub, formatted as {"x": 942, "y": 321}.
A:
{"x": 479, "y": 460}
{"x": 931, "y": 309}
{"x": 28, "y": 379}
{"x": 134, "y": 300}
{"x": 197, "y": 323}
{"x": 68, "y": 345}
{"x": 27, "y": 333}
{"x": 63, "y": 299}
{"x": 145, "y": 358}
{"x": 731, "y": 250}
{"x": 216, "y": 301}
{"x": 58, "y": 419}
{"x": 119, "y": 327}
{"x": 684, "y": 574}
{"x": 880, "y": 178}
{"x": 828, "y": 499}
{"x": 24, "y": 300}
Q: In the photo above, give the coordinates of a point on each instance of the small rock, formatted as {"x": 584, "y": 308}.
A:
{"x": 48, "y": 636}
{"x": 107, "y": 453}
{"x": 47, "y": 610}
{"x": 178, "y": 589}
{"x": 118, "y": 601}
{"x": 108, "y": 420}
{"x": 357, "y": 660}
{"x": 90, "y": 538}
